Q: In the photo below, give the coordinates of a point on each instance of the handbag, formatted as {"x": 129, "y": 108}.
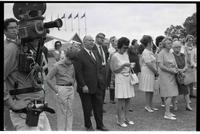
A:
{"x": 133, "y": 77}
{"x": 189, "y": 76}
{"x": 156, "y": 85}
{"x": 180, "y": 78}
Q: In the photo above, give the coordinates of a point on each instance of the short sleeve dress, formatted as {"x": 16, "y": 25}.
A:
{"x": 168, "y": 85}
{"x": 147, "y": 77}
{"x": 123, "y": 88}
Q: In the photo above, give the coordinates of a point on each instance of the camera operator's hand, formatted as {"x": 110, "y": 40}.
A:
{"x": 20, "y": 104}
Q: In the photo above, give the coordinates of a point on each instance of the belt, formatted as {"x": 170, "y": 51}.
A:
{"x": 24, "y": 90}
{"x": 68, "y": 84}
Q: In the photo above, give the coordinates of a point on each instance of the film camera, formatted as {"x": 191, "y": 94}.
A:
{"x": 30, "y": 18}
{"x": 32, "y": 33}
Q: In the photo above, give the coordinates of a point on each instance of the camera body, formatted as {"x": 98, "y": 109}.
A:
{"x": 31, "y": 29}
{"x": 31, "y": 25}
{"x": 30, "y": 20}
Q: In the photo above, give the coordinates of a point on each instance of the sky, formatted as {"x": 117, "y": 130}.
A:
{"x": 132, "y": 20}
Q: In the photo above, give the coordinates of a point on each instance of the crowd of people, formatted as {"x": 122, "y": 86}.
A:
{"x": 105, "y": 64}
{"x": 158, "y": 63}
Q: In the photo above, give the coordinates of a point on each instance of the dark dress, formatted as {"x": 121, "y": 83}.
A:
{"x": 180, "y": 61}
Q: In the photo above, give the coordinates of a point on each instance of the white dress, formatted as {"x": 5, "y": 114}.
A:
{"x": 123, "y": 88}
{"x": 147, "y": 77}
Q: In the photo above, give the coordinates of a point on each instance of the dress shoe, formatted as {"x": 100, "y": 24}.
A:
{"x": 155, "y": 109}
{"x": 162, "y": 105}
{"x": 90, "y": 128}
{"x": 129, "y": 122}
{"x": 148, "y": 109}
{"x": 102, "y": 128}
{"x": 169, "y": 117}
{"x": 188, "y": 108}
{"x": 122, "y": 124}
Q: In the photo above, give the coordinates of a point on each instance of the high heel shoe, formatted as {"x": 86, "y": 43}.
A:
{"x": 121, "y": 124}
{"x": 169, "y": 117}
{"x": 148, "y": 109}
{"x": 129, "y": 122}
{"x": 188, "y": 108}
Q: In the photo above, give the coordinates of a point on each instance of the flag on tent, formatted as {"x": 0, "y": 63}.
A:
{"x": 76, "y": 16}
{"x": 83, "y": 15}
{"x": 70, "y": 16}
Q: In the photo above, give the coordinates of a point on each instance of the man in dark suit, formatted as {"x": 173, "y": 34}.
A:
{"x": 103, "y": 54}
{"x": 89, "y": 79}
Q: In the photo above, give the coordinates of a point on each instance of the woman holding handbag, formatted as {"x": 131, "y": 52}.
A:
{"x": 148, "y": 72}
{"x": 182, "y": 66}
{"x": 124, "y": 91}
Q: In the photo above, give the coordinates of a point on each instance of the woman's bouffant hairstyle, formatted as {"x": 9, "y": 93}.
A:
{"x": 159, "y": 39}
{"x": 166, "y": 39}
{"x": 146, "y": 39}
{"x": 123, "y": 41}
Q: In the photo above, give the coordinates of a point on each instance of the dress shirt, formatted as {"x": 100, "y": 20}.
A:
{"x": 88, "y": 51}
{"x": 104, "y": 59}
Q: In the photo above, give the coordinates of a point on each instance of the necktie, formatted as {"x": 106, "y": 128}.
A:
{"x": 91, "y": 56}
{"x": 101, "y": 51}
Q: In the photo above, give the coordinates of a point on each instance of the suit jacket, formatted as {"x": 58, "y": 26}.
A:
{"x": 87, "y": 71}
{"x": 103, "y": 71}
{"x": 105, "y": 49}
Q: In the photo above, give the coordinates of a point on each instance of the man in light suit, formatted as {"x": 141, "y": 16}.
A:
{"x": 89, "y": 79}
{"x": 103, "y": 54}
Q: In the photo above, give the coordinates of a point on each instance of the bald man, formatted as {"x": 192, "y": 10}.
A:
{"x": 87, "y": 66}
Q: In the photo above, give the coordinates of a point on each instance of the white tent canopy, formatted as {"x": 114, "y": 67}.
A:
{"x": 61, "y": 35}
